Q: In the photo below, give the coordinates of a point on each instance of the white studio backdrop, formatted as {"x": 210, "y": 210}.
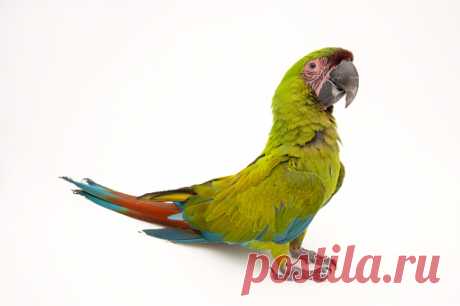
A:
{"x": 151, "y": 95}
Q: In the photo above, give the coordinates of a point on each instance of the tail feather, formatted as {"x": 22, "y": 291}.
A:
{"x": 151, "y": 211}
{"x": 175, "y": 235}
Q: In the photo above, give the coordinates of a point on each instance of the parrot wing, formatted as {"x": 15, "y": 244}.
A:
{"x": 340, "y": 179}
{"x": 268, "y": 201}
{"x": 339, "y": 183}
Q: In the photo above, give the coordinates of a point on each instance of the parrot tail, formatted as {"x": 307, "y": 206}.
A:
{"x": 154, "y": 211}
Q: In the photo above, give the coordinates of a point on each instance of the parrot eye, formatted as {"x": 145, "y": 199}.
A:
{"x": 313, "y": 69}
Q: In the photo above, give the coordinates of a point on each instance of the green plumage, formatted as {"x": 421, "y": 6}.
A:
{"x": 269, "y": 204}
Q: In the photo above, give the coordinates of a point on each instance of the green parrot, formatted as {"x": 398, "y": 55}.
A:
{"x": 268, "y": 205}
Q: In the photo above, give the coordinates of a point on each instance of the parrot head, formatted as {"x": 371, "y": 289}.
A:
{"x": 324, "y": 77}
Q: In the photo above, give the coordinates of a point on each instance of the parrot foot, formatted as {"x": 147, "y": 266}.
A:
{"x": 323, "y": 266}
{"x": 301, "y": 251}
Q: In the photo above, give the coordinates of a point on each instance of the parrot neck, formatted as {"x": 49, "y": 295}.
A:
{"x": 298, "y": 121}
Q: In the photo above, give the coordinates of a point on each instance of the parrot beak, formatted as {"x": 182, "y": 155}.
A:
{"x": 343, "y": 80}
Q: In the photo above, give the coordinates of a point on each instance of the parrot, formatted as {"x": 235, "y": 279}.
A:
{"x": 269, "y": 205}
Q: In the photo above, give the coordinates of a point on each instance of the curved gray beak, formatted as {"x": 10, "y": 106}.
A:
{"x": 343, "y": 80}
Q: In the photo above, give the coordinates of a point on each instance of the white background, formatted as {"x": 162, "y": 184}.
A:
{"x": 152, "y": 95}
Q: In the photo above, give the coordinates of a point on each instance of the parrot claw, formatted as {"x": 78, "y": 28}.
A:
{"x": 301, "y": 251}
{"x": 327, "y": 267}
{"x": 319, "y": 274}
